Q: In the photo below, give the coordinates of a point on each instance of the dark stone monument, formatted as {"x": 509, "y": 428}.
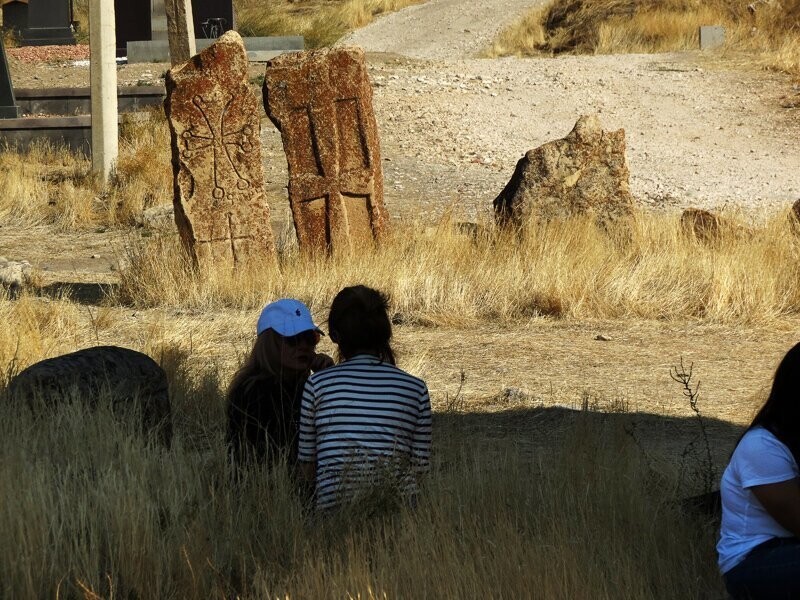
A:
{"x": 8, "y": 106}
{"x": 132, "y": 22}
{"x": 209, "y": 14}
{"x": 15, "y": 15}
{"x": 48, "y": 23}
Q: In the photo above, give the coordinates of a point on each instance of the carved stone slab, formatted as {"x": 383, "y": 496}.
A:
{"x": 321, "y": 102}
{"x": 220, "y": 207}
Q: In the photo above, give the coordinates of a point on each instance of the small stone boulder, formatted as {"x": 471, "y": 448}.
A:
{"x": 13, "y": 275}
{"x": 101, "y": 374}
{"x": 584, "y": 173}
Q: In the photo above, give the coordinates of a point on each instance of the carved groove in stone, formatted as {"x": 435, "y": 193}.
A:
{"x": 321, "y": 102}
{"x": 220, "y": 207}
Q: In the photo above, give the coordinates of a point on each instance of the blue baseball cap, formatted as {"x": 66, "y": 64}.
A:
{"x": 287, "y": 317}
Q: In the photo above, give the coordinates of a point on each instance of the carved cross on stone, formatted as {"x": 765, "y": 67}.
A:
{"x": 220, "y": 207}
{"x": 224, "y": 145}
{"x": 322, "y": 103}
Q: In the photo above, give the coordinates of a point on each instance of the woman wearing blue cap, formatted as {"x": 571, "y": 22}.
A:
{"x": 264, "y": 396}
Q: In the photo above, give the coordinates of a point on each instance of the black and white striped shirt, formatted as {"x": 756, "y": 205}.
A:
{"x": 358, "y": 417}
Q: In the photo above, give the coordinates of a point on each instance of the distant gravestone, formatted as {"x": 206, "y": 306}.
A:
{"x": 132, "y": 23}
{"x": 321, "y": 102}
{"x": 211, "y": 13}
{"x": 220, "y": 207}
{"x": 8, "y": 105}
{"x": 48, "y": 23}
{"x": 711, "y": 37}
{"x": 15, "y": 15}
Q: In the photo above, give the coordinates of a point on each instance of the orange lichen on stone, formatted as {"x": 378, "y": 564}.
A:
{"x": 321, "y": 102}
{"x": 220, "y": 207}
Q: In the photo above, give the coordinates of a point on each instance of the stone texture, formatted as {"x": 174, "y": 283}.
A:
{"x": 110, "y": 374}
{"x": 585, "y": 172}
{"x": 794, "y": 216}
{"x": 180, "y": 31}
{"x": 220, "y": 207}
{"x": 13, "y": 275}
{"x": 321, "y": 102}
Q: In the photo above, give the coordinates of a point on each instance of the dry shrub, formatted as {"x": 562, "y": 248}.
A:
{"x": 619, "y": 26}
{"x": 101, "y": 514}
{"x": 320, "y": 22}
{"x": 52, "y": 185}
{"x": 46, "y": 184}
{"x": 647, "y": 268}
{"x": 144, "y": 169}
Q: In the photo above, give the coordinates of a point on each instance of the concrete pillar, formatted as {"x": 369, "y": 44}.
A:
{"x": 105, "y": 128}
{"x": 158, "y": 20}
{"x": 180, "y": 30}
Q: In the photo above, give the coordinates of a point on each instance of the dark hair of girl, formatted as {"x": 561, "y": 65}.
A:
{"x": 359, "y": 322}
{"x": 780, "y": 414}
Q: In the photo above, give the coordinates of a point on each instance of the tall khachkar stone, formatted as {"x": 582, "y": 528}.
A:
{"x": 220, "y": 207}
{"x": 321, "y": 101}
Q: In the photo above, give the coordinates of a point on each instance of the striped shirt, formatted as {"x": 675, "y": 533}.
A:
{"x": 358, "y": 418}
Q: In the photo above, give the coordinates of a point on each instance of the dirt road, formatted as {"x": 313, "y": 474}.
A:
{"x": 708, "y": 130}
{"x": 446, "y": 29}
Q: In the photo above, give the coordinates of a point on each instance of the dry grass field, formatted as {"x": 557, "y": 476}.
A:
{"x": 561, "y": 459}
{"x": 563, "y": 448}
{"x": 624, "y": 26}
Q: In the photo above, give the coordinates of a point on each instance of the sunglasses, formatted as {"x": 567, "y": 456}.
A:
{"x": 310, "y": 338}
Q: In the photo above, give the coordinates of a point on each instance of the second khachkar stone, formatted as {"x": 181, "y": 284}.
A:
{"x": 220, "y": 207}
{"x": 321, "y": 102}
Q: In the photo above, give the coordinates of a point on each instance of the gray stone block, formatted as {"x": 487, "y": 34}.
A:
{"x": 711, "y": 37}
{"x": 259, "y": 49}
{"x": 77, "y": 101}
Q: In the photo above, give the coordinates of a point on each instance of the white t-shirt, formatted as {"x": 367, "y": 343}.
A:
{"x": 759, "y": 459}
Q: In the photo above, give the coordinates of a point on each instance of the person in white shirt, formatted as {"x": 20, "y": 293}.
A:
{"x": 365, "y": 424}
{"x": 759, "y": 544}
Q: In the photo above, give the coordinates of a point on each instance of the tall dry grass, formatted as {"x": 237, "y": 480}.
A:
{"x": 647, "y": 268}
{"x": 321, "y": 22}
{"x": 52, "y": 185}
{"x": 622, "y": 26}
{"x": 89, "y": 510}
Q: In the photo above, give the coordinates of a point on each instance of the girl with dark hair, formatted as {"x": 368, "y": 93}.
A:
{"x": 364, "y": 423}
{"x": 264, "y": 396}
{"x": 759, "y": 545}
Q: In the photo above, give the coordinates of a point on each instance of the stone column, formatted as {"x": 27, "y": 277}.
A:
{"x": 8, "y": 105}
{"x": 158, "y": 20}
{"x": 105, "y": 129}
{"x": 180, "y": 30}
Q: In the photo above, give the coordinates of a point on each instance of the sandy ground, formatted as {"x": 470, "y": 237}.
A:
{"x": 704, "y": 130}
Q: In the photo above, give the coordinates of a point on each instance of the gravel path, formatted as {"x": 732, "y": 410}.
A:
{"x": 702, "y": 129}
{"x": 440, "y": 28}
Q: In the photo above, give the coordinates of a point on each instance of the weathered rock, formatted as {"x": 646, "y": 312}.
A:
{"x": 220, "y": 207}
{"x": 702, "y": 224}
{"x": 794, "y": 216}
{"x": 160, "y": 217}
{"x": 321, "y": 102}
{"x": 13, "y": 275}
{"x": 585, "y": 172}
{"x": 118, "y": 376}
